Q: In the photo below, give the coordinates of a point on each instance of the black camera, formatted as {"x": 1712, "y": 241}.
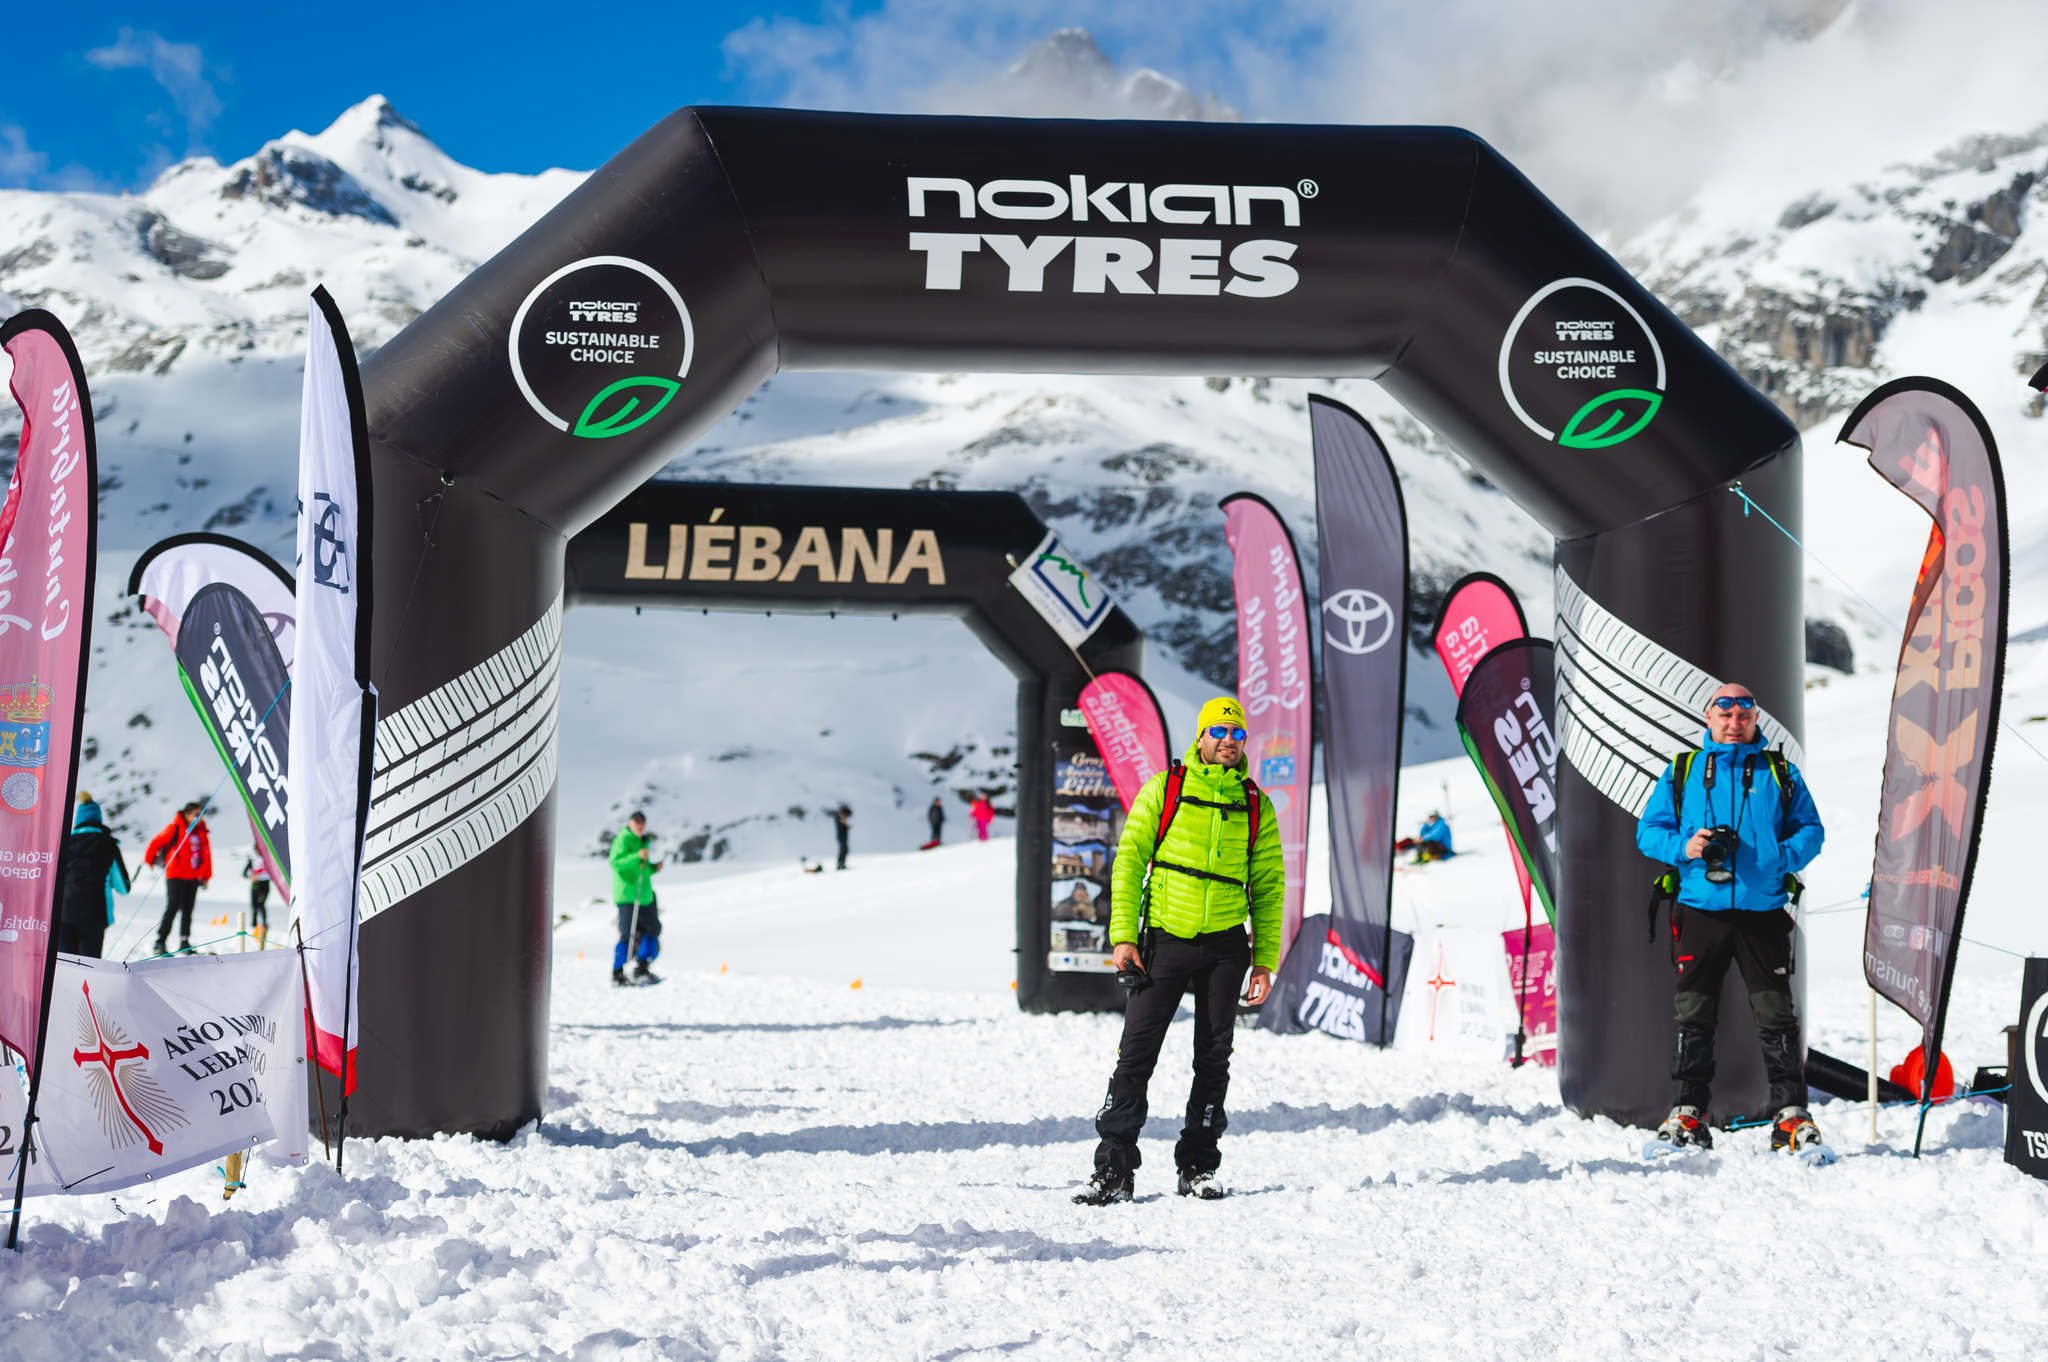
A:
{"x": 1719, "y": 854}
{"x": 1131, "y": 979}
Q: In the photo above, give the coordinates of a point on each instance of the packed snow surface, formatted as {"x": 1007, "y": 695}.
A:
{"x": 829, "y": 1133}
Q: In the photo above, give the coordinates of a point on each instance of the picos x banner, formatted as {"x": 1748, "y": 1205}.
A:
{"x": 1123, "y": 715}
{"x": 229, "y": 665}
{"x": 1930, "y": 442}
{"x": 47, "y": 542}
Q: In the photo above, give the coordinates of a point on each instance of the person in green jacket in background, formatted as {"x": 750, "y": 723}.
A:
{"x": 1197, "y": 885}
{"x": 633, "y": 893}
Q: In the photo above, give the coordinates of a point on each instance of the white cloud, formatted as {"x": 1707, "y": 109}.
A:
{"x": 1620, "y": 112}
{"x": 180, "y": 68}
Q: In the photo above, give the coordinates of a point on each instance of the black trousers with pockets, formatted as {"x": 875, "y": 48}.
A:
{"x": 179, "y": 898}
{"x": 1760, "y": 945}
{"x": 1213, "y": 966}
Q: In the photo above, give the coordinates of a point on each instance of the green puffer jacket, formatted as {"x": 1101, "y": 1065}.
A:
{"x": 632, "y": 879}
{"x": 1202, "y": 838}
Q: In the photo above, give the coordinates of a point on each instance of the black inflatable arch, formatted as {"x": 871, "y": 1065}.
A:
{"x": 726, "y": 244}
{"x": 813, "y": 550}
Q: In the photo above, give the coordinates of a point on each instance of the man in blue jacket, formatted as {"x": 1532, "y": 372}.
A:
{"x": 1731, "y": 907}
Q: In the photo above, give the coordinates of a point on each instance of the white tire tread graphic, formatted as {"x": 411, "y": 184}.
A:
{"x": 462, "y": 766}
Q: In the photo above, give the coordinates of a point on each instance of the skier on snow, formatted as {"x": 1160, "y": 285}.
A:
{"x": 633, "y": 894}
{"x": 183, "y": 851}
{"x": 1197, "y": 882}
{"x": 1731, "y": 897}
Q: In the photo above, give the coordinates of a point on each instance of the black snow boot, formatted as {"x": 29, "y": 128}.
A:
{"x": 619, "y": 977}
{"x": 1202, "y": 1185}
{"x": 1105, "y": 1189}
{"x": 644, "y": 975}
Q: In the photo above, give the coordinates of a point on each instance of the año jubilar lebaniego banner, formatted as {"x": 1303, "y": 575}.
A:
{"x": 1930, "y": 442}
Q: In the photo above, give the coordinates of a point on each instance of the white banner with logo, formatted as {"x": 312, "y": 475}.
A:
{"x": 328, "y": 760}
{"x": 1071, "y": 600}
{"x": 160, "y": 1066}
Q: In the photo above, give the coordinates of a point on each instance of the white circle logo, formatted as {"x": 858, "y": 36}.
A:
{"x": 1367, "y": 619}
{"x": 601, "y": 346}
{"x": 2032, "y": 1037}
{"x": 1581, "y": 367}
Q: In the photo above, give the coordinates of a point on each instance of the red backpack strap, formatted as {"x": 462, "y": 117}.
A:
{"x": 1176, "y": 776}
{"x": 1251, "y": 837}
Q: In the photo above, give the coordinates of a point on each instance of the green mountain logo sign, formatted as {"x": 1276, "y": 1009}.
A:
{"x": 601, "y": 346}
{"x": 1580, "y": 366}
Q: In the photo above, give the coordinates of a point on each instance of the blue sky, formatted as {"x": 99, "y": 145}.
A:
{"x": 104, "y": 96}
{"x": 107, "y": 95}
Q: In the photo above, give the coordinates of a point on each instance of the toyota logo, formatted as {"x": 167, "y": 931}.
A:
{"x": 1367, "y": 619}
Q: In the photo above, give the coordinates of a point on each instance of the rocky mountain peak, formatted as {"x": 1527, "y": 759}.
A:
{"x": 1069, "y": 74}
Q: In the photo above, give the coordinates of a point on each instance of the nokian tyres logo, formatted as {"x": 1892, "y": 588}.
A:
{"x": 600, "y": 347}
{"x": 1580, "y": 366}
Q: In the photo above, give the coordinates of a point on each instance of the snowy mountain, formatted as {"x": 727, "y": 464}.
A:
{"x": 188, "y": 303}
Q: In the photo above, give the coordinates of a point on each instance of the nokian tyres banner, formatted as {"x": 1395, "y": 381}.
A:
{"x": 1362, "y": 528}
{"x": 229, "y": 665}
{"x": 1930, "y": 442}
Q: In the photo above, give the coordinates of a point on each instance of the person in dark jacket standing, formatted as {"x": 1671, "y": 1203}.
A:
{"x": 936, "y": 816}
{"x": 187, "y": 858}
{"x": 94, "y": 872}
{"x": 842, "y": 819}
{"x": 1739, "y": 824}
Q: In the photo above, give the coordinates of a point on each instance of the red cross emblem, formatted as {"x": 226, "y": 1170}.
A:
{"x": 107, "y": 1056}
{"x": 1437, "y": 984}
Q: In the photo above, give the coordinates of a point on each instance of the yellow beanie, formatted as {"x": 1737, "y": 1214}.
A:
{"x": 1223, "y": 709}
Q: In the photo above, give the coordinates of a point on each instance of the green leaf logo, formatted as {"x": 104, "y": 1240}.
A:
{"x": 1612, "y": 408}
{"x": 630, "y": 413}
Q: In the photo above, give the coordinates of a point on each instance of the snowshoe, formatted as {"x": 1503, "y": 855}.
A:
{"x": 644, "y": 976}
{"x": 1200, "y": 1185}
{"x": 1683, "y": 1132}
{"x": 1795, "y": 1133}
{"x": 1105, "y": 1189}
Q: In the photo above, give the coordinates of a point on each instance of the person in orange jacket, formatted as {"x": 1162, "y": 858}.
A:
{"x": 182, "y": 850}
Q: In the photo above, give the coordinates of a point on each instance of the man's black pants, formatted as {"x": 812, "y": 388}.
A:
{"x": 1213, "y": 965}
{"x": 179, "y": 896}
{"x": 1760, "y": 945}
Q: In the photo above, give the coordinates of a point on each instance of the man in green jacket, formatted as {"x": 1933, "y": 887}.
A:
{"x": 633, "y": 893}
{"x": 1197, "y": 885}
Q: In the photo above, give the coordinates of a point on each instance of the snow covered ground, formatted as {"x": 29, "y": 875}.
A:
{"x": 757, "y": 1159}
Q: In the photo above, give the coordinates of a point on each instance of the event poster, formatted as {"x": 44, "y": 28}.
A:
{"x": 1087, "y": 820}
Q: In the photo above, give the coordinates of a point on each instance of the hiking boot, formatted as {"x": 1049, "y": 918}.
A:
{"x": 1794, "y": 1132}
{"x": 163, "y": 948}
{"x": 1203, "y": 1185}
{"x": 644, "y": 975}
{"x": 1684, "y": 1128}
{"x": 619, "y": 978}
{"x": 184, "y": 948}
{"x": 1105, "y": 1189}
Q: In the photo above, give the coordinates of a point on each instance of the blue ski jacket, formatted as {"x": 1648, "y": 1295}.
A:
{"x": 1776, "y": 836}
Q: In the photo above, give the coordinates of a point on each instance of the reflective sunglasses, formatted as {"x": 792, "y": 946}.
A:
{"x": 1225, "y": 731}
{"x": 1724, "y": 703}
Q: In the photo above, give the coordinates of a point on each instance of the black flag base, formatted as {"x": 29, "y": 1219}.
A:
{"x": 2026, "y": 1101}
{"x": 1317, "y": 989}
